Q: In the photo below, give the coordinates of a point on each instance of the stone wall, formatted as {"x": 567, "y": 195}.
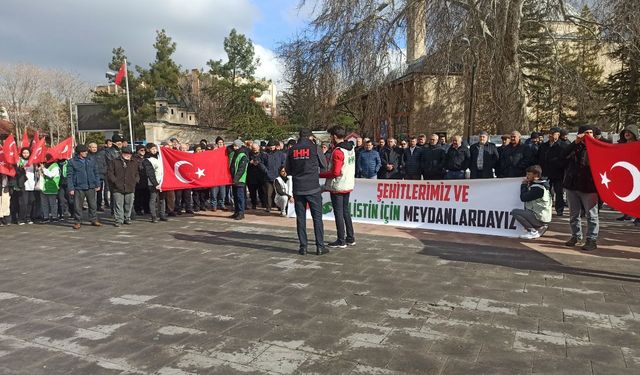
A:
{"x": 157, "y": 132}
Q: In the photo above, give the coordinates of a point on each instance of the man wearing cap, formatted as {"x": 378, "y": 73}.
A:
{"x": 112, "y": 153}
{"x": 304, "y": 163}
{"x": 83, "y": 183}
{"x": 238, "y": 162}
{"x": 581, "y": 191}
{"x": 272, "y": 160}
{"x": 123, "y": 176}
{"x": 484, "y": 157}
{"x": 552, "y": 161}
{"x": 515, "y": 158}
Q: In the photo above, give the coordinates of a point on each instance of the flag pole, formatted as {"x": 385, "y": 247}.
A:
{"x": 126, "y": 78}
{"x": 73, "y": 133}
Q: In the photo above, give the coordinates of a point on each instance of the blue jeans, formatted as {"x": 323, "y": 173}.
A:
{"x": 239, "y": 199}
{"x": 218, "y": 194}
{"x": 577, "y": 200}
{"x": 454, "y": 175}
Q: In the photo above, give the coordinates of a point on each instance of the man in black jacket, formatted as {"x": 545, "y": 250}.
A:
{"x": 256, "y": 176}
{"x": 552, "y": 160}
{"x": 457, "y": 159}
{"x": 123, "y": 176}
{"x": 391, "y": 158}
{"x": 411, "y": 160}
{"x": 432, "y": 159}
{"x": 484, "y": 157}
{"x": 581, "y": 191}
{"x": 304, "y": 163}
{"x": 515, "y": 158}
{"x": 272, "y": 160}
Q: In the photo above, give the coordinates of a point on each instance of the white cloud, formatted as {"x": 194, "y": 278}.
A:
{"x": 270, "y": 67}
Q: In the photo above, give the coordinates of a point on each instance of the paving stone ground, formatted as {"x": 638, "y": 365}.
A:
{"x": 202, "y": 295}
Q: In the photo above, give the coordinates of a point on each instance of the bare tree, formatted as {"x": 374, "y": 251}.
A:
{"x": 20, "y": 85}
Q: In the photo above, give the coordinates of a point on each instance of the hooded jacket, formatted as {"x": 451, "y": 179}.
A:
{"x": 537, "y": 199}
{"x": 153, "y": 170}
{"x": 340, "y": 177}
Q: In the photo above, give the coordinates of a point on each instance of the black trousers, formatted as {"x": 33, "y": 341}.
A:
{"x": 141, "y": 200}
{"x": 558, "y": 192}
{"x": 340, "y": 204}
{"x": 184, "y": 200}
{"x": 315, "y": 206}
{"x": 27, "y": 202}
{"x": 267, "y": 188}
{"x": 256, "y": 192}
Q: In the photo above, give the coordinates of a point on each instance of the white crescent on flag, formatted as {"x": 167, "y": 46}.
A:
{"x": 635, "y": 175}
{"x": 176, "y": 170}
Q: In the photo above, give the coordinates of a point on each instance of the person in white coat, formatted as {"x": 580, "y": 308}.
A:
{"x": 284, "y": 190}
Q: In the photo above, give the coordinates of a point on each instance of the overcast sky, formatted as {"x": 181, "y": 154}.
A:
{"x": 78, "y": 35}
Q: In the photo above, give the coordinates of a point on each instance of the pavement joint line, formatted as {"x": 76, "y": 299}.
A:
{"x": 100, "y": 361}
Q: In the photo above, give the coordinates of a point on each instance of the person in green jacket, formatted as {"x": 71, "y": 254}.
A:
{"x": 50, "y": 170}
{"x": 238, "y": 162}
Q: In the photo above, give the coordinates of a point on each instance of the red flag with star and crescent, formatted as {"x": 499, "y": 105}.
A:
{"x": 10, "y": 149}
{"x": 38, "y": 152}
{"x": 6, "y": 167}
{"x": 185, "y": 170}
{"x": 63, "y": 150}
{"x": 616, "y": 172}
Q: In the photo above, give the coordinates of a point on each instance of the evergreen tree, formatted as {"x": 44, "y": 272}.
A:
{"x": 539, "y": 64}
{"x": 586, "y": 87}
{"x": 622, "y": 89}
{"x": 163, "y": 72}
{"x": 234, "y": 86}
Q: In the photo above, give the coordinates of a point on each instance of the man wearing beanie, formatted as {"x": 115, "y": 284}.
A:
{"x": 238, "y": 162}
{"x": 304, "y": 163}
{"x": 83, "y": 183}
{"x": 272, "y": 160}
{"x": 581, "y": 191}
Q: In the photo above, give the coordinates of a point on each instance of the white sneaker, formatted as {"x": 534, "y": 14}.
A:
{"x": 533, "y": 234}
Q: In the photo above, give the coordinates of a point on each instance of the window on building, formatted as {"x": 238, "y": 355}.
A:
{"x": 189, "y": 118}
{"x": 181, "y": 114}
{"x": 171, "y": 110}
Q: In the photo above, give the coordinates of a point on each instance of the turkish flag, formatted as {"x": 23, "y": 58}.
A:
{"x": 616, "y": 172}
{"x": 38, "y": 151}
{"x": 63, "y": 150}
{"x": 5, "y": 167}
{"x": 25, "y": 140}
{"x": 120, "y": 75}
{"x": 186, "y": 170}
{"x": 10, "y": 150}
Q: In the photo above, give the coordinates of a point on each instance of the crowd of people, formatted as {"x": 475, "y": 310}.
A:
{"x": 126, "y": 181}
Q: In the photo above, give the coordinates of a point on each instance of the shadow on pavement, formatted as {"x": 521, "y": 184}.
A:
{"x": 255, "y": 241}
{"x": 514, "y": 258}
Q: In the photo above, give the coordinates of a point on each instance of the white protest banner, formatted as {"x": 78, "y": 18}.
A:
{"x": 470, "y": 206}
